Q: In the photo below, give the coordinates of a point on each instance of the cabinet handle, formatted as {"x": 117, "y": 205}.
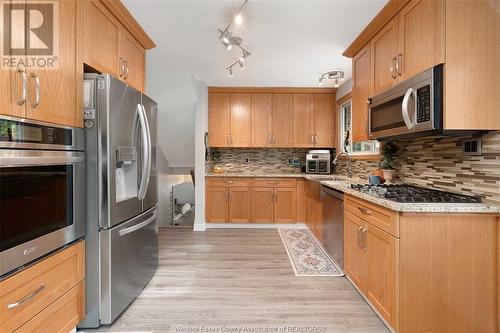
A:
{"x": 393, "y": 68}
{"x": 24, "y": 86}
{"x": 125, "y": 65}
{"x": 227, "y": 138}
{"x": 230, "y": 196}
{"x": 363, "y": 234}
{"x": 122, "y": 69}
{"x": 310, "y": 139}
{"x": 273, "y": 139}
{"x": 365, "y": 211}
{"x": 275, "y": 196}
{"x": 226, "y": 195}
{"x": 37, "y": 90}
{"x": 359, "y": 238}
{"x": 231, "y": 138}
{"x": 399, "y": 67}
{"x": 269, "y": 139}
{"x": 26, "y": 298}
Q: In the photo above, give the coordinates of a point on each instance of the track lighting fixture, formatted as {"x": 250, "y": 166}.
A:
{"x": 228, "y": 40}
{"x": 336, "y": 75}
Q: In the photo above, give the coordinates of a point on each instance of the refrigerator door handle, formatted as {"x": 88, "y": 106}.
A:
{"x": 145, "y": 151}
{"x": 148, "y": 152}
{"x": 136, "y": 227}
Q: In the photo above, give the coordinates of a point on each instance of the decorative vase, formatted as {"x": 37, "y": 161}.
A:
{"x": 388, "y": 175}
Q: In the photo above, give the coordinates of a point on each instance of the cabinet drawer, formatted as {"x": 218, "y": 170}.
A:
{"x": 274, "y": 182}
{"x": 226, "y": 181}
{"x": 61, "y": 316}
{"x": 28, "y": 292}
{"x": 381, "y": 217}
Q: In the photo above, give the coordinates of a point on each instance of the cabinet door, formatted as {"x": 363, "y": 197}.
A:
{"x": 240, "y": 120}
{"x": 381, "y": 280}
{"x": 60, "y": 89}
{"x": 421, "y": 37}
{"x": 282, "y": 120}
{"x": 285, "y": 205}
{"x": 261, "y": 120}
{"x": 101, "y": 38}
{"x": 360, "y": 94}
{"x": 132, "y": 56}
{"x": 216, "y": 204}
{"x": 384, "y": 50}
{"x": 355, "y": 257}
{"x": 240, "y": 205}
{"x": 303, "y": 120}
{"x": 219, "y": 119}
{"x": 262, "y": 205}
{"x": 324, "y": 121}
{"x": 12, "y": 102}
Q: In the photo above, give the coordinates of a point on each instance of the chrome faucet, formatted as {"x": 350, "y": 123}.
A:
{"x": 349, "y": 166}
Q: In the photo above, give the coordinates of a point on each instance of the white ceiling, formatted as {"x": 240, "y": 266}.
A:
{"x": 292, "y": 42}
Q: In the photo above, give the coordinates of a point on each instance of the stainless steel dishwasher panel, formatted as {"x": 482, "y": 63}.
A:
{"x": 333, "y": 223}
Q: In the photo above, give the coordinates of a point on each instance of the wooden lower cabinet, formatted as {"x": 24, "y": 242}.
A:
{"x": 240, "y": 205}
{"x": 285, "y": 202}
{"x": 216, "y": 204}
{"x": 55, "y": 286}
{"x": 440, "y": 275}
{"x": 314, "y": 208}
{"x": 262, "y": 205}
{"x": 267, "y": 200}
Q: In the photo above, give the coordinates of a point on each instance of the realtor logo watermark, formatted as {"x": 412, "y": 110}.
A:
{"x": 29, "y": 34}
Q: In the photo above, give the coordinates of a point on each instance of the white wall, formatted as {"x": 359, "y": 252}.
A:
{"x": 201, "y": 127}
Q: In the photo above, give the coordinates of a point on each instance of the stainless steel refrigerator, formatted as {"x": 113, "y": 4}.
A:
{"x": 121, "y": 192}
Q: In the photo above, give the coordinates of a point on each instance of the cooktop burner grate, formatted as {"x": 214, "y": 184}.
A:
{"x": 409, "y": 193}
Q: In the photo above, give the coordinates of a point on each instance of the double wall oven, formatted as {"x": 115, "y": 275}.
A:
{"x": 42, "y": 190}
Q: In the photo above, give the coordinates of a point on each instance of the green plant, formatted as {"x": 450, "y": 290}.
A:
{"x": 389, "y": 150}
{"x": 215, "y": 156}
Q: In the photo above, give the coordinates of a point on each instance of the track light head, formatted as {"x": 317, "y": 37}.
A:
{"x": 336, "y": 75}
{"x": 231, "y": 72}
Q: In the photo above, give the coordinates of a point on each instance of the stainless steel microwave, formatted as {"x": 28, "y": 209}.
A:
{"x": 412, "y": 107}
{"x": 42, "y": 190}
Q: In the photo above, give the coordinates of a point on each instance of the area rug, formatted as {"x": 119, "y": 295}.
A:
{"x": 307, "y": 255}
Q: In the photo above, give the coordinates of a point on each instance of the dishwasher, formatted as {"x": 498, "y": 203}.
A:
{"x": 333, "y": 223}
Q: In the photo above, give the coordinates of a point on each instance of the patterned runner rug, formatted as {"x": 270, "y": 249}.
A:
{"x": 307, "y": 255}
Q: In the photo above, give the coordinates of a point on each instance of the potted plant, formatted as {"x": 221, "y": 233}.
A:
{"x": 387, "y": 162}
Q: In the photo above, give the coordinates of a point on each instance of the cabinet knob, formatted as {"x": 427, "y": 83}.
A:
{"x": 369, "y": 101}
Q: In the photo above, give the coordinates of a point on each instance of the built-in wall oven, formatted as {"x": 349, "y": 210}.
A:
{"x": 42, "y": 190}
{"x": 414, "y": 106}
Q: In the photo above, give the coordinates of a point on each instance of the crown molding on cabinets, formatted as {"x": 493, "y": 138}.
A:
{"x": 390, "y": 10}
{"x": 121, "y": 13}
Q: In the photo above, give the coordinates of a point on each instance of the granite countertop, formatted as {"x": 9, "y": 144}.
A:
{"x": 413, "y": 207}
{"x": 342, "y": 183}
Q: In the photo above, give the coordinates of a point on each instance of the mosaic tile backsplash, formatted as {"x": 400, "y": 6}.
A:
{"x": 430, "y": 162}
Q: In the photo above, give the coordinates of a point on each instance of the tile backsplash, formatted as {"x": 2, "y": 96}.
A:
{"x": 430, "y": 162}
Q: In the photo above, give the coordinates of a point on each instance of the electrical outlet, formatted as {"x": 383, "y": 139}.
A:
{"x": 289, "y": 160}
{"x": 247, "y": 160}
{"x": 472, "y": 147}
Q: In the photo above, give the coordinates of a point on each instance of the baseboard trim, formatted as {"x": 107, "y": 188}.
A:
{"x": 199, "y": 227}
{"x": 254, "y": 226}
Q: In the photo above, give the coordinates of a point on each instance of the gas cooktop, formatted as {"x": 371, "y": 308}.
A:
{"x": 409, "y": 193}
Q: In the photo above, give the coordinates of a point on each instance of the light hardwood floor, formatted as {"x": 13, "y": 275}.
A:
{"x": 240, "y": 278}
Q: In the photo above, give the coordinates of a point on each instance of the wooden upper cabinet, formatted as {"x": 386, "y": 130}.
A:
{"x": 219, "y": 119}
{"x": 361, "y": 91}
{"x": 303, "y": 120}
{"x": 261, "y": 110}
{"x": 101, "y": 38}
{"x": 384, "y": 51}
{"x": 60, "y": 90}
{"x": 421, "y": 37}
{"x": 472, "y": 65}
{"x": 239, "y": 135}
{"x": 324, "y": 121}
{"x": 132, "y": 60}
{"x": 282, "y": 120}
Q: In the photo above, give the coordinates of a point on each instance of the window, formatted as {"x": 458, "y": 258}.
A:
{"x": 370, "y": 147}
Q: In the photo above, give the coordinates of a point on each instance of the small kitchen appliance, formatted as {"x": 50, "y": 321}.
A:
{"x": 319, "y": 161}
